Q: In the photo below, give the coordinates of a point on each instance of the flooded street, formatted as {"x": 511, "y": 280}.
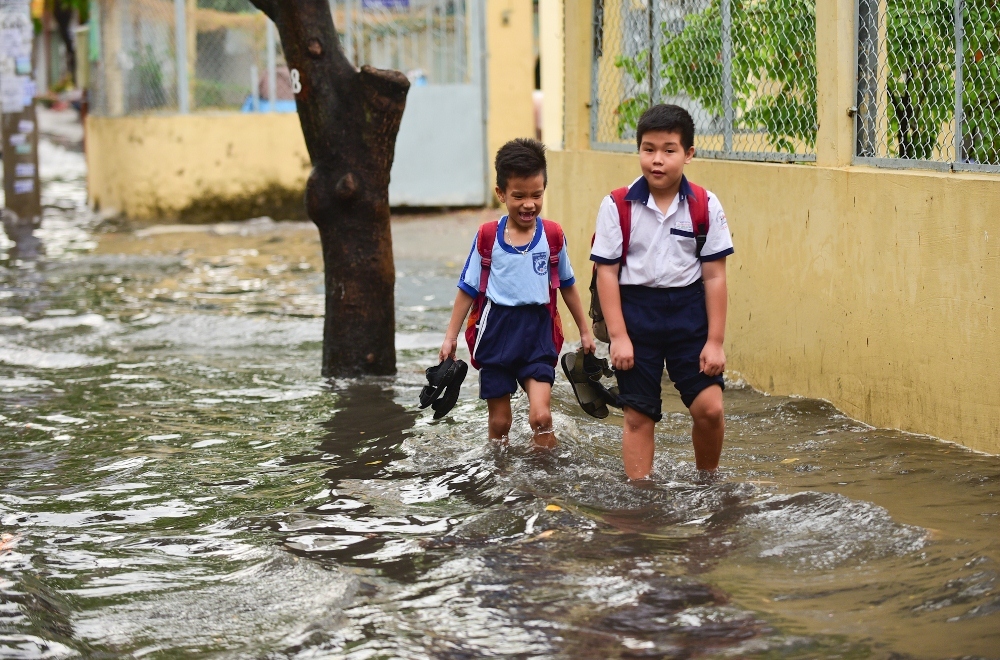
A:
{"x": 176, "y": 480}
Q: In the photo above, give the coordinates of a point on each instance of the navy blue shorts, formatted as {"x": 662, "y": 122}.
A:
{"x": 513, "y": 345}
{"x": 666, "y": 326}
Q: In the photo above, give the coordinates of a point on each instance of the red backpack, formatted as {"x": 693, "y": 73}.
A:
{"x": 484, "y": 244}
{"x": 699, "y": 220}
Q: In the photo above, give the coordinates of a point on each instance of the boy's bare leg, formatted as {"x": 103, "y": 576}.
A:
{"x": 709, "y": 428}
{"x": 540, "y": 413}
{"x": 637, "y": 444}
{"x": 500, "y": 418}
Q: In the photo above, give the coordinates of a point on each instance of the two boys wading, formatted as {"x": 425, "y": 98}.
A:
{"x": 661, "y": 286}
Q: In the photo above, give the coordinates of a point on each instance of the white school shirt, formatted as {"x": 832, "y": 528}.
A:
{"x": 518, "y": 276}
{"x": 661, "y": 251}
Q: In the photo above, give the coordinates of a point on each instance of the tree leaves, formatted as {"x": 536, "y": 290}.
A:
{"x": 774, "y": 73}
{"x": 773, "y": 69}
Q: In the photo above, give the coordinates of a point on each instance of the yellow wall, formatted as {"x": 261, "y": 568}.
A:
{"x": 510, "y": 72}
{"x": 874, "y": 289}
{"x": 155, "y": 166}
{"x": 551, "y": 48}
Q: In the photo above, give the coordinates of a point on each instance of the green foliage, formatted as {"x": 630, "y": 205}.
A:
{"x": 236, "y": 6}
{"x": 218, "y": 94}
{"x": 773, "y": 65}
{"x": 149, "y": 92}
{"x": 981, "y": 77}
{"x": 82, "y": 8}
{"x": 632, "y": 108}
{"x": 921, "y": 79}
{"x": 774, "y": 73}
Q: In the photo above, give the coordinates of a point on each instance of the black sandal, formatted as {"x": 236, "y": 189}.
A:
{"x": 595, "y": 368}
{"x": 448, "y": 400}
{"x": 437, "y": 378}
{"x": 575, "y": 366}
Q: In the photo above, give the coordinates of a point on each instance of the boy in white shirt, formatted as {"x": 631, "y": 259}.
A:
{"x": 664, "y": 297}
{"x": 509, "y": 282}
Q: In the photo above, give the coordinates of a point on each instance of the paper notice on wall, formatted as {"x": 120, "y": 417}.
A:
{"x": 28, "y": 87}
{"x": 11, "y": 93}
{"x": 24, "y": 170}
{"x": 25, "y": 126}
{"x": 23, "y": 186}
{"x": 16, "y": 35}
{"x": 13, "y": 46}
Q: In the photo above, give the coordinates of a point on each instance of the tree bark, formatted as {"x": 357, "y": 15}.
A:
{"x": 350, "y": 119}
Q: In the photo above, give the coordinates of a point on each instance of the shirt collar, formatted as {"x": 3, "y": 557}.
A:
{"x": 506, "y": 247}
{"x": 639, "y": 190}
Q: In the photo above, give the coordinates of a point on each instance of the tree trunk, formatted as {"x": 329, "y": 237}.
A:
{"x": 350, "y": 119}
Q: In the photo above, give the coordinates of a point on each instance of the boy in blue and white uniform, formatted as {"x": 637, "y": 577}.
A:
{"x": 513, "y": 341}
{"x": 667, "y": 303}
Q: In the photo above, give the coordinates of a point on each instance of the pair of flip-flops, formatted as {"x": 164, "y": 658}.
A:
{"x": 443, "y": 385}
{"x": 584, "y": 372}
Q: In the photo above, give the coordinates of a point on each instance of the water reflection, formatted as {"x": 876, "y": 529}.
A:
{"x": 366, "y": 432}
{"x": 177, "y": 481}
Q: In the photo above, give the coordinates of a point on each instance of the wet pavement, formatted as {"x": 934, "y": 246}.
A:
{"x": 176, "y": 480}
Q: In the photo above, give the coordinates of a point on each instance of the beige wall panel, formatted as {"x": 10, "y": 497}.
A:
{"x": 510, "y": 73}
{"x": 874, "y": 289}
{"x": 551, "y": 44}
{"x": 155, "y": 166}
{"x": 579, "y": 35}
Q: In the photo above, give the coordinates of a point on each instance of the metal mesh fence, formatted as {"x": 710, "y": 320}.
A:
{"x": 426, "y": 39}
{"x": 744, "y": 69}
{"x": 136, "y": 66}
{"x": 135, "y": 70}
{"x": 929, "y": 84}
{"x": 229, "y": 64}
{"x": 233, "y": 56}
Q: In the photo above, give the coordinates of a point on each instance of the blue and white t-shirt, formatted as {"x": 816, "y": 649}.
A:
{"x": 518, "y": 275}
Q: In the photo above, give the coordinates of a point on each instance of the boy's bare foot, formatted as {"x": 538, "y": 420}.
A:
{"x": 544, "y": 440}
{"x": 707, "y": 477}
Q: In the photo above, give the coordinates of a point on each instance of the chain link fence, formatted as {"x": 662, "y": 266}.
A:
{"x": 929, "y": 84}
{"x": 134, "y": 68}
{"x": 230, "y": 57}
{"x": 425, "y": 39}
{"x": 233, "y": 58}
{"x": 745, "y": 70}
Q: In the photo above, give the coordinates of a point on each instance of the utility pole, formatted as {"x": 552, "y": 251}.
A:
{"x": 19, "y": 128}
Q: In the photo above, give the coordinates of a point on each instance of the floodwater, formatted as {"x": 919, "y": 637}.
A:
{"x": 176, "y": 480}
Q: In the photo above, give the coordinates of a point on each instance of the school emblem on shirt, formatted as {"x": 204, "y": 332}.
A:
{"x": 541, "y": 260}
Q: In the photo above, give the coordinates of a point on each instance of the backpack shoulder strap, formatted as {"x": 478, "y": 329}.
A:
{"x": 484, "y": 245}
{"x": 698, "y": 207}
{"x": 556, "y": 239}
{"x": 624, "y": 218}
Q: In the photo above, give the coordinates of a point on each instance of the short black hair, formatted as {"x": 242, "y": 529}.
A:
{"x": 669, "y": 118}
{"x": 521, "y": 157}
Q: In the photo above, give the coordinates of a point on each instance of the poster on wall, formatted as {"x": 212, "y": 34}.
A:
{"x": 17, "y": 105}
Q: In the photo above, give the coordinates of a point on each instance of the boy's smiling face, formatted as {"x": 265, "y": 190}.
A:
{"x": 523, "y": 199}
{"x": 662, "y": 158}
